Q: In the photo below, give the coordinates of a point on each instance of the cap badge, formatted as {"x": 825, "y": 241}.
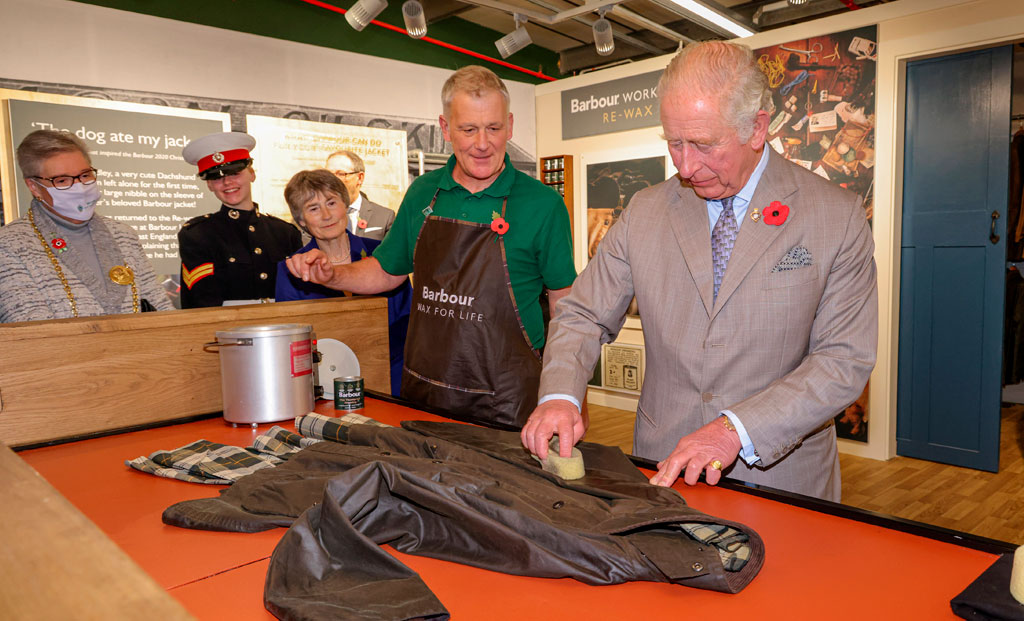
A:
{"x": 218, "y": 157}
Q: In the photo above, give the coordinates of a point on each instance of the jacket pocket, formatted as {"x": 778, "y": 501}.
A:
{"x": 647, "y": 420}
{"x": 791, "y": 278}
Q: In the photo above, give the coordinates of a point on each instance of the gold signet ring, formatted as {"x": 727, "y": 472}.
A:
{"x": 717, "y": 464}
{"x": 122, "y": 275}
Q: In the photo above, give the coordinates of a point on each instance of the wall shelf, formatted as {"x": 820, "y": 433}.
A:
{"x": 556, "y": 171}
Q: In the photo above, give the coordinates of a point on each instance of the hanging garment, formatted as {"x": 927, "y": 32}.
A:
{"x": 464, "y": 494}
{"x": 1013, "y": 317}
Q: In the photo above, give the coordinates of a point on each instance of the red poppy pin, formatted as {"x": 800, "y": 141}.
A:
{"x": 362, "y": 223}
{"x": 499, "y": 226}
{"x": 59, "y": 244}
{"x": 776, "y": 213}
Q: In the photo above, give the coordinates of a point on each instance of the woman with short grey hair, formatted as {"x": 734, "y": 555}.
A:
{"x": 319, "y": 203}
{"x": 61, "y": 260}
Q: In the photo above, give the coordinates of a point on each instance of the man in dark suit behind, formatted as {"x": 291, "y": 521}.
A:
{"x": 365, "y": 218}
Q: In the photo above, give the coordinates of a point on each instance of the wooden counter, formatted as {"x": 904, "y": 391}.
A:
{"x": 56, "y": 564}
{"x": 73, "y": 377}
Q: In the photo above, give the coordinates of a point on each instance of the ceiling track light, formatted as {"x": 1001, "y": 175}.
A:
{"x": 515, "y": 40}
{"x": 796, "y": 2}
{"x": 364, "y": 12}
{"x": 415, "y": 20}
{"x": 713, "y": 19}
{"x": 604, "y": 40}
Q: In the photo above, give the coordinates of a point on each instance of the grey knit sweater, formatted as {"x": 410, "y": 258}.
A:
{"x": 30, "y": 289}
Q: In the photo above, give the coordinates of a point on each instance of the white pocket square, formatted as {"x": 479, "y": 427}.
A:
{"x": 797, "y": 257}
{"x": 372, "y": 228}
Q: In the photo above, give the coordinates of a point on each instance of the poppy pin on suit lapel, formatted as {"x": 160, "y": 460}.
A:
{"x": 776, "y": 213}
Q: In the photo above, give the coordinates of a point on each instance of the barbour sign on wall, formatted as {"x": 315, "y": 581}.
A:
{"x": 628, "y": 103}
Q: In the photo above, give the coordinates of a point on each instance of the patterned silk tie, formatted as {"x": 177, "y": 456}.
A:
{"x": 723, "y": 238}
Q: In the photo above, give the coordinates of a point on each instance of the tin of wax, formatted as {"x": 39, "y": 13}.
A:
{"x": 348, "y": 393}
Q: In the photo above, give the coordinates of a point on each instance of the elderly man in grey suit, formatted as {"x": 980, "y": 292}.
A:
{"x": 365, "y": 218}
{"x": 755, "y": 281}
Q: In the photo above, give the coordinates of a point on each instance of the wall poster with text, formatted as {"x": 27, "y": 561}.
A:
{"x": 623, "y": 366}
{"x": 287, "y": 146}
{"x": 823, "y": 118}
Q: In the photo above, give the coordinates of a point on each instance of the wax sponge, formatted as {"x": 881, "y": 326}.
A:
{"x": 568, "y": 468}
{"x": 1016, "y": 577}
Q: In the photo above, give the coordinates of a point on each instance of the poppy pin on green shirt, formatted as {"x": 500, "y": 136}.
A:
{"x": 498, "y": 224}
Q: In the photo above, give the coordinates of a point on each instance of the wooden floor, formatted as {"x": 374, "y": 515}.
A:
{"x": 981, "y": 503}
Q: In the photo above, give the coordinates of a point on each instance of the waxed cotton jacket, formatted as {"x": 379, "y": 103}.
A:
{"x": 463, "y": 494}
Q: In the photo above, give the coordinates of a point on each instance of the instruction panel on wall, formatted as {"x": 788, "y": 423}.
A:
{"x": 623, "y": 366}
{"x": 287, "y": 146}
{"x": 144, "y": 180}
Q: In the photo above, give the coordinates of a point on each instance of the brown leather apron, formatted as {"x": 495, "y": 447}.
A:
{"x": 467, "y": 352}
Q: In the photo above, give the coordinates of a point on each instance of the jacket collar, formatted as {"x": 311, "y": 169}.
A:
{"x": 499, "y": 188}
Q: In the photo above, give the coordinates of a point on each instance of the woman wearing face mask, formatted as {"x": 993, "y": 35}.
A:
{"x": 61, "y": 260}
{"x": 318, "y": 202}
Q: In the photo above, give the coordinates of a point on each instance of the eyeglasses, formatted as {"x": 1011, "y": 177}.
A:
{"x": 63, "y": 182}
{"x": 342, "y": 173}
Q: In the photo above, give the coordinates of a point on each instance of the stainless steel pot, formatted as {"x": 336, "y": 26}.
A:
{"x": 266, "y": 372}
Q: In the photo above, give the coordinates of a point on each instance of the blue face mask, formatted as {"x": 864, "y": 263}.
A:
{"x": 77, "y": 202}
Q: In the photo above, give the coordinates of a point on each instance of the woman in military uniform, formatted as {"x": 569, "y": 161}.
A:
{"x": 230, "y": 254}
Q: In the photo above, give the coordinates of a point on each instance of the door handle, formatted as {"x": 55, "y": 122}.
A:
{"x": 992, "y": 237}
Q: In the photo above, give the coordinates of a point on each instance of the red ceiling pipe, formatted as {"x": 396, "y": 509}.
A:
{"x": 438, "y": 42}
{"x": 850, "y": 4}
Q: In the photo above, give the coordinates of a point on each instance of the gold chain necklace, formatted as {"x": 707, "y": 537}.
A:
{"x": 119, "y": 274}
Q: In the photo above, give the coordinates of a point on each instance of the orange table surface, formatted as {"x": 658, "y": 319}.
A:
{"x": 817, "y": 565}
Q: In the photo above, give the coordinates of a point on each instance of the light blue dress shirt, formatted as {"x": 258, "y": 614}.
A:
{"x": 740, "y": 203}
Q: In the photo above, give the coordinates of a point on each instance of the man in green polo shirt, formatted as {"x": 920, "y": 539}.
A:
{"x": 483, "y": 241}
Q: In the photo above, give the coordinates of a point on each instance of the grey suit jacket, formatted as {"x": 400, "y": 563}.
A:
{"x": 786, "y": 346}
{"x": 378, "y": 219}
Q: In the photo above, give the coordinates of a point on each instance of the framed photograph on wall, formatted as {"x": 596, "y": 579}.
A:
{"x": 610, "y": 179}
{"x": 823, "y": 105}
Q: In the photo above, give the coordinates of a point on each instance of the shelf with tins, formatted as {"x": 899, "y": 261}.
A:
{"x": 556, "y": 171}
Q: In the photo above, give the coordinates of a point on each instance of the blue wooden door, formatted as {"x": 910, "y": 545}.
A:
{"x": 955, "y": 175}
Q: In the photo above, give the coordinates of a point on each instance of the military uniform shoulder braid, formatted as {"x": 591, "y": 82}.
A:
{"x": 195, "y": 220}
